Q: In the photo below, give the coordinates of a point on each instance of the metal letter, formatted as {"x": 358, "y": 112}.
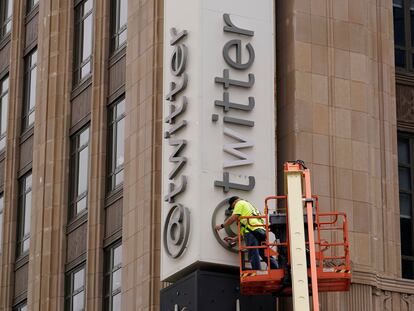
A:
{"x": 175, "y": 158}
{"x": 227, "y": 81}
{"x": 234, "y": 29}
{"x": 176, "y": 112}
{"x": 179, "y": 59}
{"x": 233, "y": 149}
{"x": 227, "y": 185}
{"x": 176, "y": 36}
{"x": 238, "y": 121}
{"x": 176, "y": 230}
{"x": 173, "y": 191}
{"x": 227, "y": 104}
{"x": 175, "y": 128}
{"x": 177, "y": 88}
{"x": 238, "y": 63}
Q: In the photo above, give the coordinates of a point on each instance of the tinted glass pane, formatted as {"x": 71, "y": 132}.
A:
{"x": 83, "y": 171}
{"x": 78, "y": 280}
{"x": 27, "y": 213}
{"x": 78, "y": 302}
{"x": 412, "y": 21}
{"x": 123, "y": 12}
{"x": 32, "y": 89}
{"x": 116, "y": 302}
{"x": 116, "y": 279}
{"x": 87, "y": 38}
{"x": 117, "y": 259}
{"x": 399, "y": 31}
{"x": 405, "y": 205}
{"x": 81, "y": 205}
{"x": 31, "y": 118}
{"x": 122, "y": 37}
{"x": 87, "y": 6}
{"x": 404, "y": 178}
{"x": 26, "y": 245}
{"x": 403, "y": 151}
{"x": 119, "y": 178}
{"x": 84, "y": 137}
{"x": 23, "y": 308}
{"x": 407, "y": 269}
{"x": 28, "y": 182}
{"x": 120, "y": 143}
{"x": 399, "y": 58}
{"x": 120, "y": 109}
{"x": 2, "y": 143}
{"x": 1, "y": 222}
{"x": 406, "y": 237}
{"x": 5, "y": 85}
{"x": 4, "y": 106}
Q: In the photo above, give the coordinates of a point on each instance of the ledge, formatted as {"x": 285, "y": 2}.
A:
{"x": 383, "y": 282}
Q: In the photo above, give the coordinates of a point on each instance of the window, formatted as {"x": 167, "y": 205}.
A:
{"x": 403, "y": 11}
{"x": 116, "y": 144}
{"x": 24, "y": 215}
{"x": 4, "y": 103}
{"x": 79, "y": 168}
{"x": 113, "y": 278}
{"x": 119, "y": 17}
{"x": 1, "y": 221}
{"x": 31, "y": 4}
{"x": 6, "y": 9}
{"x": 29, "y": 90}
{"x": 21, "y": 307}
{"x": 405, "y": 178}
{"x": 83, "y": 41}
{"x": 75, "y": 290}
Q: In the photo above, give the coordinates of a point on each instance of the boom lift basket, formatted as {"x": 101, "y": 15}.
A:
{"x": 331, "y": 251}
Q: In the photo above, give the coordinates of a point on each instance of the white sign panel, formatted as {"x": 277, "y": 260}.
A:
{"x": 219, "y": 123}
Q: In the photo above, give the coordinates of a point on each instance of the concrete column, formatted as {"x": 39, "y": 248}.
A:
{"x": 142, "y": 184}
{"x": 50, "y": 157}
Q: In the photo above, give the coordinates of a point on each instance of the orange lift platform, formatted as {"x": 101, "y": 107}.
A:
{"x": 325, "y": 262}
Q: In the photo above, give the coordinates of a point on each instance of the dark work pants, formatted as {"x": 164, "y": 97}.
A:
{"x": 256, "y": 239}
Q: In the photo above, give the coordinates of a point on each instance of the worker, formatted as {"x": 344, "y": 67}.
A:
{"x": 250, "y": 229}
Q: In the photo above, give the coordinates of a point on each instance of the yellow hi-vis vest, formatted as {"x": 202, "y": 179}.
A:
{"x": 244, "y": 208}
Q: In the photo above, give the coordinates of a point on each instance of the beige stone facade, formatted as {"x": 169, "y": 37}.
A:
{"x": 336, "y": 110}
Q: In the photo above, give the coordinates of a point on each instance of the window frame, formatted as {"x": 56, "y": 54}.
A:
{"x": 75, "y": 150}
{"x": 27, "y": 94}
{"x": 113, "y": 122}
{"x": 1, "y": 220}
{"x": 79, "y": 31}
{"x": 70, "y": 293}
{"x": 2, "y": 95}
{"x": 31, "y": 4}
{"x": 5, "y": 19}
{"x": 109, "y": 269}
{"x": 408, "y": 48}
{"x": 116, "y": 30}
{"x": 22, "y": 306}
{"x": 21, "y": 236}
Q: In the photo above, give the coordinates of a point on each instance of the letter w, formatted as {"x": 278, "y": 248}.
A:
{"x": 233, "y": 149}
{"x": 175, "y": 156}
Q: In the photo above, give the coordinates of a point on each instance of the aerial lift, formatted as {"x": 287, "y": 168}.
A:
{"x": 312, "y": 247}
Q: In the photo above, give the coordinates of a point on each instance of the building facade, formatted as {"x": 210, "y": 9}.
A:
{"x": 81, "y": 100}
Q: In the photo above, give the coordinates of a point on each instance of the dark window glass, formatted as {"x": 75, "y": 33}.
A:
{"x": 79, "y": 169}
{"x": 405, "y": 177}
{"x": 83, "y": 40}
{"x": 75, "y": 290}
{"x": 113, "y": 278}
{"x": 24, "y": 213}
{"x": 6, "y": 7}
{"x": 31, "y": 4}
{"x": 4, "y": 104}
{"x": 400, "y": 58}
{"x": 1, "y": 221}
{"x": 116, "y": 143}
{"x": 21, "y": 307}
{"x": 399, "y": 26}
{"x": 407, "y": 269}
{"x": 119, "y": 18}
{"x": 29, "y": 90}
